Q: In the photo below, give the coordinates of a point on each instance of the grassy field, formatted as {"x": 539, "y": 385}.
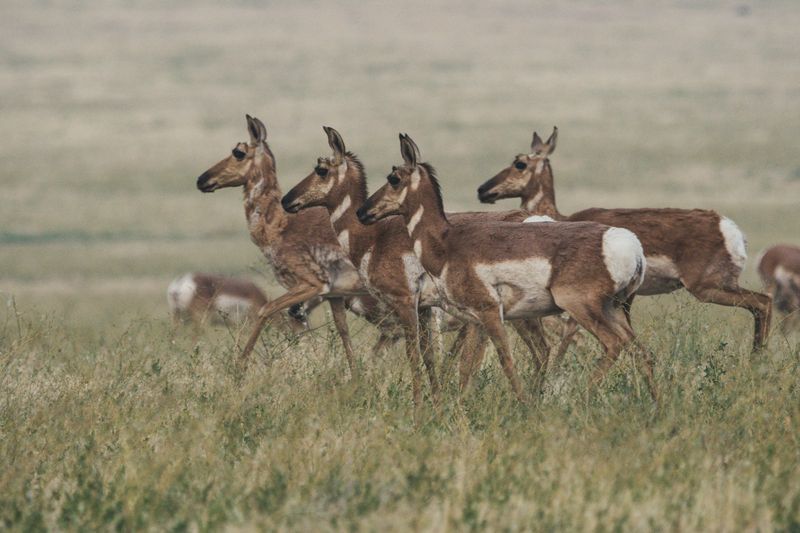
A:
{"x": 109, "y": 419}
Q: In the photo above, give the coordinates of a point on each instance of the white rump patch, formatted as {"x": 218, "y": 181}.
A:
{"x": 520, "y": 286}
{"x": 624, "y": 258}
{"x": 415, "y": 220}
{"x": 341, "y": 209}
{"x": 734, "y": 241}
{"x": 181, "y": 292}
{"x": 538, "y": 218}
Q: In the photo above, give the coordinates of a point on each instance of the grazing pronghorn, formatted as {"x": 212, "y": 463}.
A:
{"x": 384, "y": 254}
{"x": 491, "y": 271}
{"x": 779, "y": 269}
{"x": 696, "y": 249}
{"x": 302, "y": 249}
{"x": 199, "y": 297}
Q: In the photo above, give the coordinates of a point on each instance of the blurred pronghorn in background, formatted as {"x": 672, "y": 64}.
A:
{"x": 203, "y": 298}
{"x": 779, "y": 269}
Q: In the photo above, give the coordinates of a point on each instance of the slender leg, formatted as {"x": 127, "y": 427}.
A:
{"x": 472, "y": 354}
{"x": 426, "y": 349}
{"x": 408, "y": 319}
{"x": 296, "y": 294}
{"x": 611, "y": 328}
{"x": 566, "y": 340}
{"x": 451, "y": 355}
{"x": 494, "y": 327}
{"x": 531, "y": 333}
{"x": 626, "y": 308}
{"x": 646, "y": 366}
{"x": 760, "y": 305}
{"x": 340, "y": 320}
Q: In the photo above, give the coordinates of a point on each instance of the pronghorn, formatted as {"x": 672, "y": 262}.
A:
{"x": 302, "y": 249}
{"x": 696, "y": 249}
{"x": 199, "y": 297}
{"x": 491, "y": 271}
{"x": 779, "y": 269}
{"x": 381, "y": 252}
{"x": 385, "y": 256}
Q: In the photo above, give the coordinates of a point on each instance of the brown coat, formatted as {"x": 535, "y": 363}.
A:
{"x": 692, "y": 248}
{"x": 489, "y": 270}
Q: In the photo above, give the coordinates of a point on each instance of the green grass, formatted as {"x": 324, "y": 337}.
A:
{"x": 134, "y": 428}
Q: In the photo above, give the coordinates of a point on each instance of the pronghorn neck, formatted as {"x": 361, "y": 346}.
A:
{"x": 427, "y": 226}
{"x": 262, "y": 198}
{"x": 348, "y": 194}
{"x": 539, "y": 197}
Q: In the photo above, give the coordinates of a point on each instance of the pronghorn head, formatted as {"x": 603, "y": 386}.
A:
{"x": 526, "y": 176}
{"x": 326, "y": 181}
{"x": 239, "y": 167}
{"x": 406, "y": 188}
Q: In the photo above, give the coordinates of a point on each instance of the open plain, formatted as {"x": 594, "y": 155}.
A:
{"x": 109, "y": 419}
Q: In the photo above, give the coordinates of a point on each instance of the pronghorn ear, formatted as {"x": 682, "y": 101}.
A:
{"x": 252, "y": 129}
{"x": 336, "y": 143}
{"x": 262, "y": 130}
{"x": 409, "y": 150}
{"x": 537, "y": 146}
{"x": 551, "y": 141}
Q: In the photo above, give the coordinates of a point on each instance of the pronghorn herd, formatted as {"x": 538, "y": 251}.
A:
{"x": 327, "y": 240}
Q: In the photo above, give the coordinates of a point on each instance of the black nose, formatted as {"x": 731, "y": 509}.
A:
{"x": 484, "y": 194}
{"x": 202, "y": 182}
{"x": 286, "y": 202}
{"x": 363, "y": 214}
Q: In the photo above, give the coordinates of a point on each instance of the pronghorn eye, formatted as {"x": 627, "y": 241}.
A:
{"x": 519, "y": 165}
{"x": 321, "y": 171}
{"x": 394, "y": 181}
{"x": 238, "y": 154}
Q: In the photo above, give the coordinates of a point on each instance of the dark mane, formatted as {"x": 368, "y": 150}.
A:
{"x": 436, "y": 187}
{"x": 362, "y": 177}
{"x": 271, "y": 155}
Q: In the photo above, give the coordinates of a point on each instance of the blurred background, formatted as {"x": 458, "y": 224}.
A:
{"x": 110, "y": 111}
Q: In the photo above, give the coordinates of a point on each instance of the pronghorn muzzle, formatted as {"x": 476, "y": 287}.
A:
{"x": 485, "y": 192}
{"x": 207, "y": 183}
{"x": 364, "y": 214}
{"x": 290, "y": 202}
